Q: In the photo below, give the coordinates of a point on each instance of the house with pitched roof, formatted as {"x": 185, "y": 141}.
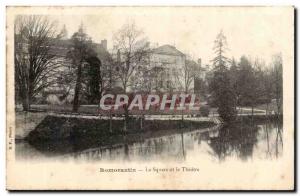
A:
{"x": 168, "y": 63}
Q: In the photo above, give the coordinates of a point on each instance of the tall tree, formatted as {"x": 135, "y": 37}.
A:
{"x": 190, "y": 71}
{"x": 133, "y": 51}
{"x": 35, "y": 65}
{"x": 233, "y": 72}
{"x": 220, "y": 88}
{"x": 267, "y": 87}
{"x": 93, "y": 79}
{"x": 277, "y": 81}
{"x": 78, "y": 53}
{"x": 220, "y": 46}
{"x": 245, "y": 80}
{"x": 250, "y": 83}
{"x": 99, "y": 74}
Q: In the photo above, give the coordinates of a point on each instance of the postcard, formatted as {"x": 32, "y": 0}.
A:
{"x": 150, "y": 98}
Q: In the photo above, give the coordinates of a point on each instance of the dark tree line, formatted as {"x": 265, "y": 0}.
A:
{"x": 255, "y": 83}
{"x": 243, "y": 83}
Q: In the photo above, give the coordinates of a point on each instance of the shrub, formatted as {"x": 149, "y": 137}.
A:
{"x": 204, "y": 110}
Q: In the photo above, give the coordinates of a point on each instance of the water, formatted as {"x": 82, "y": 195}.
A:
{"x": 244, "y": 141}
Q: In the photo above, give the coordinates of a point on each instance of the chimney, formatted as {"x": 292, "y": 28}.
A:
{"x": 104, "y": 44}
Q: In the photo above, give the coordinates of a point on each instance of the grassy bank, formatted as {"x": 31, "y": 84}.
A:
{"x": 63, "y": 135}
{"x": 260, "y": 118}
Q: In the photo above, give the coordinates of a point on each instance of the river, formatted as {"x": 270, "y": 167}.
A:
{"x": 244, "y": 141}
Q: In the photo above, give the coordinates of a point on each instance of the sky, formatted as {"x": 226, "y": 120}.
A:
{"x": 254, "y": 32}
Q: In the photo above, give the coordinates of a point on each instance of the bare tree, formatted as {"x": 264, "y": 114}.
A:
{"x": 133, "y": 49}
{"x": 132, "y": 53}
{"x": 35, "y": 66}
{"x": 190, "y": 71}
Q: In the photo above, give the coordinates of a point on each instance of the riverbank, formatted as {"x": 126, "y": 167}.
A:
{"x": 27, "y": 121}
{"x": 259, "y": 118}
{"x": 94, "y": 110}
{"x": 58, "y": 127}
{"x": 63, "y": 135}
{"x": 58, "y": 134}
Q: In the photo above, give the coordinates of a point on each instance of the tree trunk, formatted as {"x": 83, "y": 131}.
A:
{"x": 77, "y": 89}
{"x": 126, "y": 117}
{"x": 267, "y": 110}
{"x": 278, "y": 106}
{"x": 110, "y": 122}
{"x": 125, "y": 125}
{"x": 252, "y": 112}
{"x": 141, "y": 121}
{"x": 182, "y": 145}
{"x": 26, "y": 103}
{"x": 182, "y": 119}
{"x": 126, "y": 112}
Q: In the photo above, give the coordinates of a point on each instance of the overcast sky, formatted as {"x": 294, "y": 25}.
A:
{"x": 256, "y": 32}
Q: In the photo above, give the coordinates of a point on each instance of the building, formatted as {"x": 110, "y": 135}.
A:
{"x": 167, "y": 63}
{"x": 164, "y": 71}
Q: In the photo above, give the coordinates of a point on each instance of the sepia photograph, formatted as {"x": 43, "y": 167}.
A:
{"x": 150, "y": 98}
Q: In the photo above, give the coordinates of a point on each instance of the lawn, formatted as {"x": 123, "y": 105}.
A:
{"x": 94, "y": 110}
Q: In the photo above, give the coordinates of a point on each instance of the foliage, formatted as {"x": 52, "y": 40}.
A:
{"x": 78, "y": 53}
{"x": 204, "y": 110}
{"x": 219, "y": 84}
{"x": 93, "y": 78}
{"x": 254, "y": 83}
{"x": 277, "y": 81}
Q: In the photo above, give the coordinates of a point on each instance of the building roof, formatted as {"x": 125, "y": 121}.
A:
{"x": 168, "y": 50}
{"x": 193, "y": 63}
{"x": 61, "y": 48}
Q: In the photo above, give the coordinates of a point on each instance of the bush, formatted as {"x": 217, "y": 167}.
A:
{"x": 204, "y": 110}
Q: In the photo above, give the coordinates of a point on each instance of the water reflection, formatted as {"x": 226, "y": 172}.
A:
{"x": 243, "y": 141}
{"x": 238, "y": 140}
{"x": 234, "y": 140}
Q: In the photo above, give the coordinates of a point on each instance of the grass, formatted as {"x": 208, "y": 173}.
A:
{"x": 94, "y": 109}
{"x": 271, "y": 107}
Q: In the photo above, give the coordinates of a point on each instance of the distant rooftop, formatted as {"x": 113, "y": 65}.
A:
{"x": 167, "y": 49}
{"x": 61, "y": 47}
